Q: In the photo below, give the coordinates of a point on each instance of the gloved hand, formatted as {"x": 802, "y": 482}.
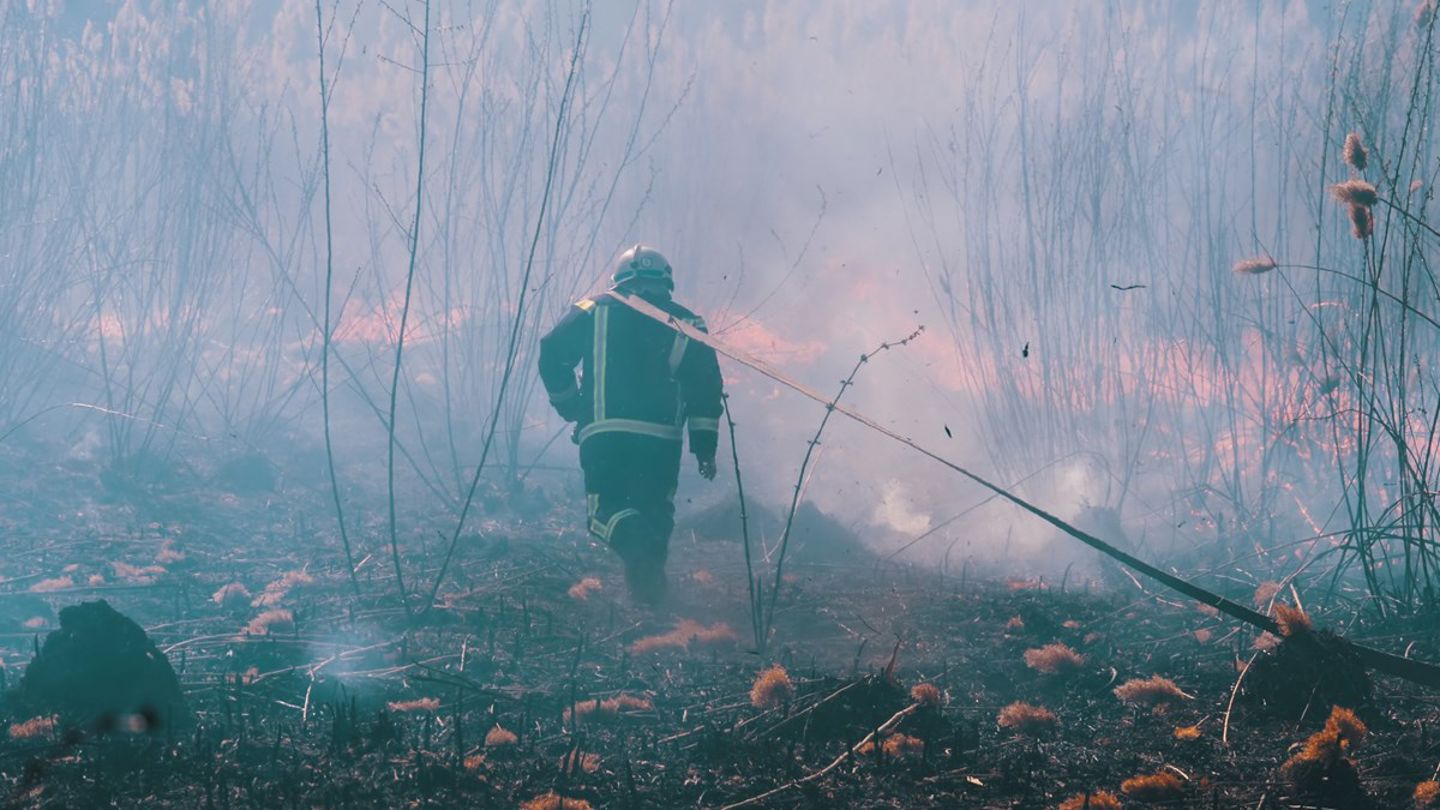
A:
{"x": 707, "y": 468}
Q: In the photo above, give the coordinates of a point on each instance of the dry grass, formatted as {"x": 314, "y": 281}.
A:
{"x": 686, "y": 634}
{"x": 897, "y": 746}
{"x": 1025, "y": 718}
{"x": 56, "y": 584}
{"x": 281, "y": 588}
{"x": 1054, "y": 659}
{"x": 1427, "y": 794}
{"x": 1187, "y": 733}
{"x": 1292, "y": 620}
{"x": 1355, "y": 192}
{"x": 474, "y": 762}
{"x": 1324, "y": 752}
{"x": 500, "y": 737}
{"x": 168, "y": 554}
{"x": 554, "y": 801}
{"x": 419, "y": 705}
{"x": 587, "y": 711}
{"x": 582, "y": 761}
{"x": 137, "y": 575}
{"x": 1015, "y": 625}
{"x": 271, "y": 622}
{"x": 232, "y": 596}
{"x": 581, "y": 590}
{"x": 1153, "y": 691}
{"x": 1153, "y": 787}
{"x": 1254, "y": 266}
{"x": 1265, "y": 593}
{"x": 1099, "y": 800}
{"x": 1355, "y": 153}
{"x": 926, "y": 694}
{"x": 772, "y": 688}
{"x": 33, "y": 728}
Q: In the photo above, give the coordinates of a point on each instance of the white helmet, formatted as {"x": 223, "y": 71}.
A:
{"x": 641, "y": 262}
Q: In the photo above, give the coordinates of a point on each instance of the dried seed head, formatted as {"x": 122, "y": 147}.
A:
{"x": 1355, "y": 153}
{"x": 1355, "y": 192}
{"x": 1253, "y": 267}
{"x": 1362, "y": 221}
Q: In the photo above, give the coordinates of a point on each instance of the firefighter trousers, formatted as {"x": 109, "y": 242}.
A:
{"x": 630, "y": 484}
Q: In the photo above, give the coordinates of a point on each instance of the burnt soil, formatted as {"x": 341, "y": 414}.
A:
{"x": 343, "y": 702}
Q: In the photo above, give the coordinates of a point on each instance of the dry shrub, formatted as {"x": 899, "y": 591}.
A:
{"x": 926, "y": 694}
{"x": 1362, "y": 221}
{"x": 577, "y": 760}
{"x": 281, "y": 588}
{"x": 1253, "y": 267}
{"x": 1292, "y": 620}
{"x": 56, "y": 584}
{"x": 608, "y": 709}
{"x": 1187, "y": 733}
{"x": 1208, "y": 610}
{"x": 474, "y": 762}
{"x": 1203, "y": 635}
{"x": 1154, "y": 787}
{"x": 554, "y": 801}
{"x": 685, "y": 634}
{"x": 1015, "y": 625}
{"x": 1025, "y": 718}
{"x": 1427, "y": 794}
{"x": 1099, "y": 800}
{"x": 136, "y": 575}
{"x": 95, "y": 580}
{"x": 1355, "y": 152}
{"x": 32, "y": 728}
{"x": 232, "y": 596}
{"x": 1265, "y": 593}
{"x": 1054, "y": 659}
{"x": 896, "y": 746}
{"x": 1153, "y": 691}
{"x": 271, "y": 622}
{"x": 772, "y": 688}
{"x": 423, "y": 705}
{"x": 500, "y": 737}
{"x": 1355, "y": 192}
{"x": 581, "y": 590}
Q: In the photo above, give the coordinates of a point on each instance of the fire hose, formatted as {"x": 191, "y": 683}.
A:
{"x": 1419, "y": 672}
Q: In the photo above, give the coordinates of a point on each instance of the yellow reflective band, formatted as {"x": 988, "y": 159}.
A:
{"x": 616, "y": 518}
{"x": 630, "y": 426}
{"x": 704, "y": 423}
{"x": 592, "y": 505}
{"x": 602, "y": 320}
{"x": 585, "y": 304}
{"x": 600, "y": 530}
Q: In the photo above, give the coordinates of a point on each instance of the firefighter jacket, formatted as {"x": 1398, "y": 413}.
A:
{"x": 637, "y": 376}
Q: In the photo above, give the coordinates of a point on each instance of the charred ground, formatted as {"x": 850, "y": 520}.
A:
{"x": 533, "y": 673}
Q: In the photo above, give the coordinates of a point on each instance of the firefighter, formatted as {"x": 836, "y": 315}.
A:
{"x": 641, "y": 386}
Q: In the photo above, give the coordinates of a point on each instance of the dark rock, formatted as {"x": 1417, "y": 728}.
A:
{"x": 100, "y": 670}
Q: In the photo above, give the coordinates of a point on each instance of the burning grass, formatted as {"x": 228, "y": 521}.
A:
{"x": 1426, "y": 795}
{"x": 896, "y": 746}
{"x": 1027, "y": 719}
{"x": 233, "y": 596}
{"x": 281, "y": 588}
{"x": 772, "y": 688}
{"x": 686, "y": 634}
{"x": 1054, "y": 659}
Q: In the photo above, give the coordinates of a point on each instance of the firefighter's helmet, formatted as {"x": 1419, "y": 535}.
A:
{"x": 641, "y": 262}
